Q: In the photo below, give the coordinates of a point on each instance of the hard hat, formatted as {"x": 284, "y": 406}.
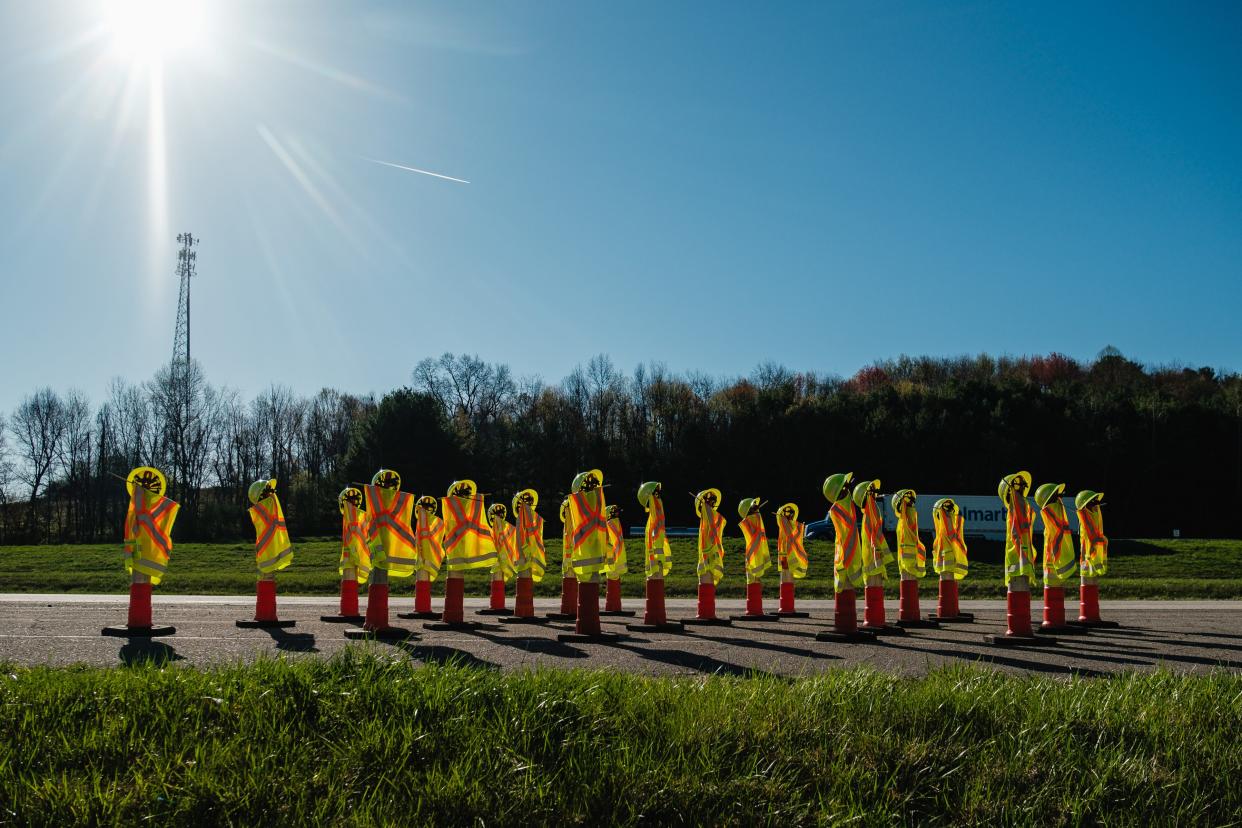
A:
{"x": 564, "y": 510}
{"x": 947, "y": 504}
{"x": 698, "y": 500}
{"x": 645, "y": 492}
{"x": 386, "y": 479}
{"x": 793, "y": 506}
{"x": 469, "y": 484}
{"x": 900, "y": 495}
{"x": 498, "y": 510}
{"x": 149, "y": 478}
{"x": 517, "y": 498}
{"x": 835, "y": 484}
{"x": 427, "y": 502}
{"x": 744, "y": 506}
{"x": 1086, "y": 497}
{"x": 260, "y": 489}
{"x": 580, "y": 479}
{"x": 860, "y": 491}
{"x": 1002, "y": 488}
{"x": 351, "y": 494}
{"x": 1047, "y": 492}
{"x": 614, "y": 512}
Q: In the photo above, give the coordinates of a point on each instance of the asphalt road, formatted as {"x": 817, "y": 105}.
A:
{"x": 1193, "y": 636}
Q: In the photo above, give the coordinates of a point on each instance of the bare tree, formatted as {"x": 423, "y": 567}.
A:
{"x": 39, "y": 428}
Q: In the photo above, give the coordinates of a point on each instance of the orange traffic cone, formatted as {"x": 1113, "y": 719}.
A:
{"x": 909, "y": 615}
{"x": 612, "y": 599}
{"x": 1054, "y": 614}
{"x": 265, "y": 607}
{"x": 754, "y": 605}
{"x": 788, "y": 608}
{"x": 376, "y": 623}
{"x": 874, "y": 618}
{"x": 524, "y": 604}
{"x": 138, "y": 622}
{"x": 349, "y": 604}
{"x": 1018, "y": 632}
{"x": 586, "y": 625}
{"x": 496, "y": 604}
{"x": 1089, "y": 607}
{"x": 569, "y": 600}
{"x": 845, "y": 621}
{"x": 654, "y": 617}
{"x": 422, "y": 599}
{"x": 706, "y": 616}
{"x": 947, "y": 609}
{"x": 454, "y": 615}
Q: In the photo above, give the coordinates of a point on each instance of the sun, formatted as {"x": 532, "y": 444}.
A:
{"x": 153, "y": 31}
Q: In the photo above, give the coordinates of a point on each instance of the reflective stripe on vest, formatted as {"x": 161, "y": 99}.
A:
{"x": 594, "y": 522}
{"x": 757, "y": 536}
{"x": 655, "y": 523}
{"x": 471, "y": 523}
{"x": 850, "y": 543}
{"x": 270, "y": 524}
{"x": 1062, "y": 529}
{"x": 148, "y": 519}
{"x": 382, "y": 516}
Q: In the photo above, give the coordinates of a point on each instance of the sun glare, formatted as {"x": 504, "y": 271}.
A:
{"x": 153, "y": 31}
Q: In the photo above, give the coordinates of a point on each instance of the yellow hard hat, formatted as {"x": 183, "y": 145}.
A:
{"x": 902, "y": 494}
{"x": 645, "y": 492}
{"x": 149, "y": 478}
{"x": 564, "y": 510}
{"x": 386, "y": 479}
{"x": 517, "y": 498}
{"x": 835, "y": 484}
{"x": 614, "y": 512}
{"x": 427, "y": 502}
{"x": 793, "y": 506}
{"x": 351, "y": 494}
{"x": 456, "y": 484}
{"x": 744, "y": 506}
{"x": 1086, "y": 497}
{"x": 498, "y": 510}
{"x": 260, "y": 489}
{"x": 860, "y": 491}
{"x": 1002, "y": 488}
{"x": 581, "y": 477}
{"x": 698, "y": 500}
{"x": 947, "y": 504}
{"x": 1047, "y": 492}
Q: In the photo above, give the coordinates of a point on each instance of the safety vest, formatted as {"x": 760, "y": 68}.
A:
{"x": 393, "y": 546}
{"x": 616, "y": 552}
{"x": 949, "y": 547}
{"x": 591, "y": 541}
{"x": 468, "y": 543}
{"x": 758, "y": 558}
{"x": 1060, "y": 563}
{"x": 659, "y": 555}
{"x": 429, "y": 536}
{"x": 505, "y": 538}
{"x": 911, "y": 553}
{"x": 711, "y": 543}
{"x": 876, "y": 554}
{"x": 148, "y": 533}
{"x": 847, "y": 565}
{"x": 791, "y": 546}
{"x": 355, "y": 554}
{"x": 567, "y": 545}
{"x": 272, "y": 550}
{"x": 1019, "y": 552}
{"x": 1092, "y": 542}
{"x": 532, "y": 559}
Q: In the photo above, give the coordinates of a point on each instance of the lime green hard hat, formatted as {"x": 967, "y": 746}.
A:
{"x": 645, "y": 492}
{"x": 1047, "y": 492}
{"x": 744, "y": 506}
{"x": 1086, "y": 497}
{"x": 860, "y": 491}
{"x": 1002, "y": 488}
{"x": 836, "y": 484}
{"x": 260, "y": 489}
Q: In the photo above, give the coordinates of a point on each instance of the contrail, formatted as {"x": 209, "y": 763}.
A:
{"x": 415, "y": 169}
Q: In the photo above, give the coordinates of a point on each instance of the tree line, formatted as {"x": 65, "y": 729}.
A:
{"x": 1164, "y": 443}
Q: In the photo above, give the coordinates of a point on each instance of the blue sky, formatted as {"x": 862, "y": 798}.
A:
{"x": 711, "y": 185}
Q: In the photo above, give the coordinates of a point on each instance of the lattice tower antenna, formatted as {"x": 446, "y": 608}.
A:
{"x": 185, "y": 269}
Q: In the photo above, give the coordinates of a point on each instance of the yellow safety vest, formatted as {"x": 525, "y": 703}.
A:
{"x": 876, "y": 554}
{"x": 949, "y": 547}
{"x": 847, "y": 565}
{"x": 758, "y": 558}
{"x": 591, "y": 541}
{"x": 505, "y": 538}
{"x": 659, "y": 554}
{"x": 1060, "y": 563}
{"x": 617, "y": 565}
{"x": 468, "y": 543}
{"x": 429, "y": 534}
{"x": 911, "y": 553}
{"x": 148, "y": 533}
{"x": 791, "y": 546}
{"x": 355, "y": 554}
{"x": 567, "y": 545}
{"x": 532, "y": 557}
{"x": 1093, "y": 544}
{"x": 711, "y": 543}
{"x": 272, "y": 550}
{"x": 393, "y": 546}
{"x": 1019, "y": 551}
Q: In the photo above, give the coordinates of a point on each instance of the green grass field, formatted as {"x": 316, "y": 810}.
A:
{"x": 1139, "y": 569}
{"x": 367, "y": 740}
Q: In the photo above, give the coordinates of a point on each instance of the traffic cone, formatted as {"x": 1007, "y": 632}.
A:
{"x": 706, "y": 616}
{"x": 422, "y": 599}
{"x": 1018, "y": 630}
{"x": 524, "y": 604}
{"x": 654, "y": 618}
{"x": 138, "y": 621}
{"x": 612, "y": 599}
{"x": 496, "y": 605}
{"x": 1054, "y": 614}
{"x": 586, "y": 625}
{"x": 845, "y": 621}
{"x": 265, "y": 607}
{"x": 787, "y": 606}
{"x": 947, "y": 609}
{"x": 1089, "y": 608}
{"x": 376, "y": 623}
{"x": 454, "y": 615}
{"x": 909, "y": 615}
{"x": 754, "y": 605}
{"x": 569, "y": 600}
{"x": 349, "y": 604}
{"x": 874, "y": 619}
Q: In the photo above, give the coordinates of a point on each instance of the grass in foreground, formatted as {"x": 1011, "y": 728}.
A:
{"x": 1139, "y": 569}
{"x": 362, "y": 739}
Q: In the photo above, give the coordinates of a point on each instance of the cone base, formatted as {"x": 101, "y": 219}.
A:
{"x": 343, "y": 619}
{"x": 1007, "y": 640}
{"x": 497, "y": 611}
{"x": 706, "y": 622}
{"x": 666, "y": 627}
{"x": 124, "y": 631}
{"x": 767, "y": 616}
{"x": 1059, "y": 629}
{"x": 561, "y": 616}
{"x": 885, "y": 629}
{"x": 960, "y": 618}
{"x": 383, "y": 634}
{"x": 523, "y": 619}
{"x": 1098, "y": 624}
{"x": 617, "y": 613}
{"x": 859, "y": 636}
{"x": 591, "y": 638}
{"x": 917, "y": 624}
{"x": 792, "y": 614}
{"x": 420, "y": 616}
{"x": 440, "y": 626}
{"x": 270, "y": 623}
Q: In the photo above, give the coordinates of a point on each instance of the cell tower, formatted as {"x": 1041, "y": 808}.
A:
{"x": 185, "y": 269}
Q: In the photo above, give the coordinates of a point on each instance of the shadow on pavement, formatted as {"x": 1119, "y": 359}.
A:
{"x": 431, "y": 653}
{"x": 543, "y": 646}
{"x": 997, "y": 657}
{"x": 693, "y": 661}
{"x": 765, "y": 645}
{"x": 293, "y": 642}
{"x": 139, "y": 651}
